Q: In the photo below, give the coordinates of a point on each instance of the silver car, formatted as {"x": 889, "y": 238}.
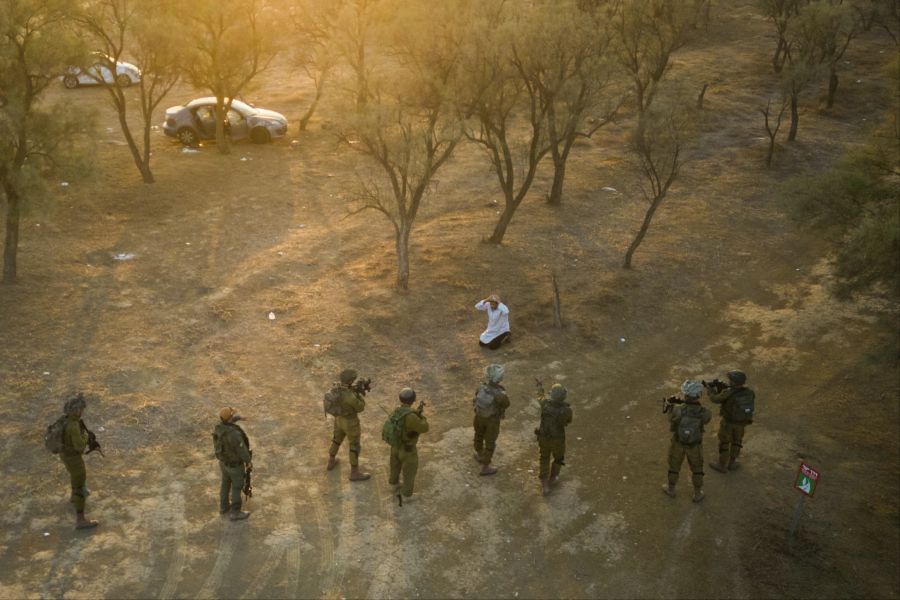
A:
{"x": 99, "y": 72}
{"x": 196, "y": 121}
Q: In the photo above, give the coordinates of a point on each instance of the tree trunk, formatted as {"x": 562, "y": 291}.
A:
{"x": 11, "y": 245}
{"x": 502, "y": 224}
{"x": 643, "y": 230}
{"x": 221, "y": 135}
{"x": 402, "y": 240}
{"x": 144, "y": 166}
{"x": 777, "y": 61}
{"x": 771, "y": 151}
{"x": 795, "y": 118}
{"x": 559, "y": 177}
{"x": 832, "y": 87}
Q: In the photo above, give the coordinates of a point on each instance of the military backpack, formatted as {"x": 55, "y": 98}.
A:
{"x": 392, "y": 430}
{"x": 689, "y": 429}
{"x": 332, "y": 403}
{"x": 485, "y": 402}
{"x": 53, "y": 439}
{"x": 553, "y": 419}
{"x": 742, "y": 407}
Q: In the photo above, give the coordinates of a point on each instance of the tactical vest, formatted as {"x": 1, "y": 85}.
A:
{"x": 485, "y": 401}
{"x": 553, "y": 419}
{"x": 689, "y": 427}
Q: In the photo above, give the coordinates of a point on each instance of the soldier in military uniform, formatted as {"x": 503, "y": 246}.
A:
{"x": 233, "y": 451}
{"x": 490, "y": 404}
{"x": 74, "y": 443}
{"x": 347, "y": 425}
{"x": 556, "y": 414}
{"x": 732, "y": 424}
{"x": 686, "y": 422}
{"x": 405, "y": 456}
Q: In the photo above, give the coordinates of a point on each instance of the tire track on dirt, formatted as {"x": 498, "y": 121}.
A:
{"x": 287, "y": 551}
{"x": 228, "y": 542}
{"x": 175, "y": 506}
{"x": 326, "y": 543}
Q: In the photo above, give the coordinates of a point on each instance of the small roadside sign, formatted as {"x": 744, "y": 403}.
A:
{"x": 807, "y": 480}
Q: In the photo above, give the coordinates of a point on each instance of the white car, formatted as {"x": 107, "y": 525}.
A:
{"x": 100, "y": 72}
{"x": 196, "y": 121}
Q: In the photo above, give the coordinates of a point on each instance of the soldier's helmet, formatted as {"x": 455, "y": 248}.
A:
{"x": 74, "y": 404}
{"x": 737, "y": 377}
{"x": 558, "y": 392}
{"x": 692, "y": 388}
{"x": 348, "y": 376}
{"x": 407, "y": 395}
{"x": 494, "y": 373}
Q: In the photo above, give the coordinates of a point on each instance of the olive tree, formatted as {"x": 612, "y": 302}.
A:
{"x": 37, "y": 137}
{"x": 314, "y": 27}
{"x": 658, "y": 147}
{"x": 235, "y": 41}
{"x": 152, "y": 36}
{"x": 408, "y": 124}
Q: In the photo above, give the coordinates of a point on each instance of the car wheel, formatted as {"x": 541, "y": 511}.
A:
{"x": 260, "y": 135}
{"x": 123, "y": 80}
{"x": 187, "y": 136}
{"x": 70, "y": 82}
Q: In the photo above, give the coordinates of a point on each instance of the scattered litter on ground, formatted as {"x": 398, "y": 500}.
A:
{"x": 245, "y": 159}
{"x": 621, "y": 339}
{"x": 101, "y": 429}
{"x": 271, "y": 316}
{"x": 109, "y": 130}
{"x": 64, "y": 184}
{"x": 123, "y": 256}
{"x": 187, "y": 150}
{"x": 579, "y": 439}
{"x": 280, "y": 253}
{"x": 295, "y": 144}
{"x": 46, "y": 372}
{"x": 187, "y": 243}
{"x": 46, "y": 534}
{"x": 37, "y": 224}
{"x": 609, "y": 189}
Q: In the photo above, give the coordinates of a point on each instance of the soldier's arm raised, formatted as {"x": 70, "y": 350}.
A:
{"x": 416, "y": 422}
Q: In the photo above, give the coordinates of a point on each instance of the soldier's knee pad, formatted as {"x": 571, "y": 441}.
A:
{"x": 355, "y": 448}
{"x": 335, "y": 442}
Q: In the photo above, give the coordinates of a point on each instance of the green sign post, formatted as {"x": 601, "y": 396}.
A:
{"x": 806, "y": 482}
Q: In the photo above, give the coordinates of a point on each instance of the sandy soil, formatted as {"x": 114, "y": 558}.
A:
{"x": 723, "y": 280}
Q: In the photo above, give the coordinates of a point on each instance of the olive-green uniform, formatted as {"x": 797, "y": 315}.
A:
{"x": 693, "y": 452}
{"x": 233, "y": 452}
{"x": 75, "y": 440}
{"x": 405, "y": 456}
{"x": 486, "y": 422}
{"x": 731, "y": 434}
{"x": 347, "y": 425}
{"x": 551, "y": 434}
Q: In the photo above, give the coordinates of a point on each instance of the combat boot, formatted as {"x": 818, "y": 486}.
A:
{"x": 357, "y": 475}
{"x": 545, "y": 487}
{"x": 734, "y": 466}
{"x": 82, "y": 523}
{"x": 698, "y": 495}
{"x": 487, "y": 469}
{"x": 332, "y": 460}
{"x": 554, "y": 472}
{"x": 669, "y": 490}
{"x": 715, "y": 466}
{"x": 238, "y": 515}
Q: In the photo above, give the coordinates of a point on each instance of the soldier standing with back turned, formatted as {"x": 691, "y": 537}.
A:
{"x": 232, "y": 448}
{"x": 736, "y": 409}
{"x": 490, "y": 404}
{"x": 346, "y": 425}
{"x": 556, "y": 414}
{"x": 686, "y": 422}
{"x": 404, "y": 454}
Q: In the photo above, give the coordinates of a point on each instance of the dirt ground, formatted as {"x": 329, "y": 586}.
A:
{"x": 165, "y": 339}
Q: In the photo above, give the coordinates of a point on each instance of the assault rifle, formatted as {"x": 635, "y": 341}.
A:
{"x": 670, "y": 402}
{"x": 540, "y": 387}
{"x": 248, "y": 484}
{"x": 716, "y": 385}
{"x": 362, "y": 386}
{"x": 93, "y": 444}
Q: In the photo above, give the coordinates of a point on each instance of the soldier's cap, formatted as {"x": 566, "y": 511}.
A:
{"x": 737, "y": 377}
{"x": 493, "y": 298}
{"x": 347, "y": 376}
{"x": 407, "y": 395}
{"x": 74, "y": 404}
{"x": 229, "y": 415}
{"x": 692, "y": 388}
{"x": 558, "y": 392}
{"x": 494, "y": 373}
